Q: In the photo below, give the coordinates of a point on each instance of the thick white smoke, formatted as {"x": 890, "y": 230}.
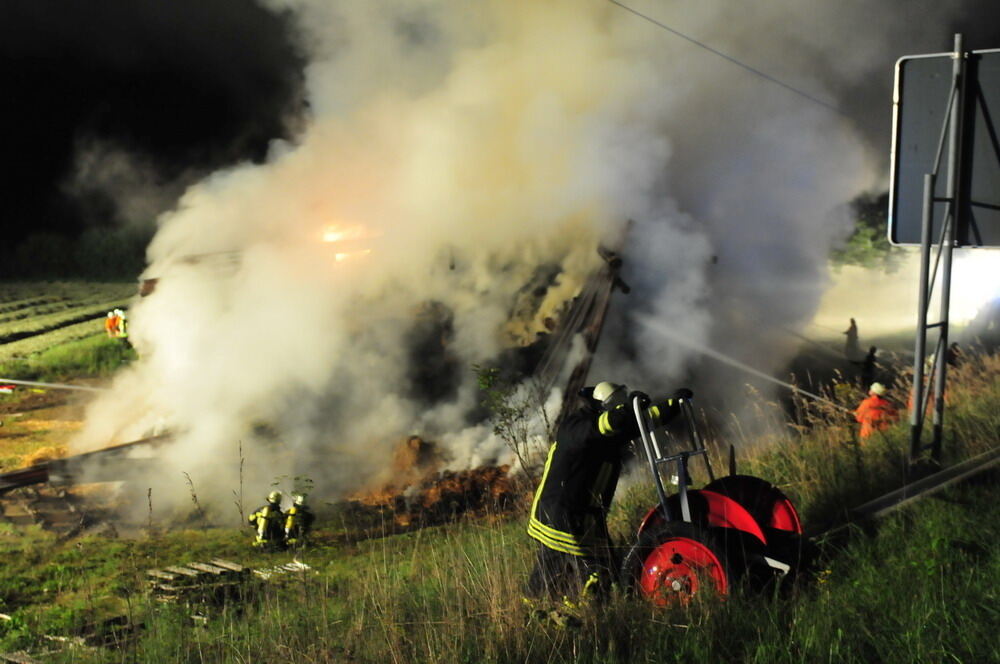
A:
{"x": 458, "y": 146}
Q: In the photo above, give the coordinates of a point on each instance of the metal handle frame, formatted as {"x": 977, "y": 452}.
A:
{"x": 655, "y": 458}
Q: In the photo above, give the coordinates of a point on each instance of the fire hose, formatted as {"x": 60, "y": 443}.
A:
{"x": 53, "y": 386}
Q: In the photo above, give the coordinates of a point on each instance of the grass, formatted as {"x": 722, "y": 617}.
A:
{"x": 917, "y": 587}
{"x": 93, "y": 355}
{"x": 36, "y": 316}
{"x": 13, "y": 293}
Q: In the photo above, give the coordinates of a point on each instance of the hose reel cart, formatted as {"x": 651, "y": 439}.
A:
{"x": 735, "y": 528}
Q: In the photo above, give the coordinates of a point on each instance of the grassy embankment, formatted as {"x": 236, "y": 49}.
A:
{"x": 53, "y": 331}
{"x": 918, "y": 587}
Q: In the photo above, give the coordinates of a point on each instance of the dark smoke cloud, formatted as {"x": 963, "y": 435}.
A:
{"x": 182, "y": 86}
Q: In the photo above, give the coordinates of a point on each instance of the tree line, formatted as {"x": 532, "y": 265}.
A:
{"x": 106, "y": 254}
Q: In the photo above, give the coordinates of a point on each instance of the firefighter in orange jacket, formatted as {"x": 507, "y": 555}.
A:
{"x": 572, "y": 500}
{"x": 111, "y": 325}
{"x": 875, "y": 413}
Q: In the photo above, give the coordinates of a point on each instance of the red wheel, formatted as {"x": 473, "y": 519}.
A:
{"x": 677, "y": 569}
{"x": 676, "y": 562}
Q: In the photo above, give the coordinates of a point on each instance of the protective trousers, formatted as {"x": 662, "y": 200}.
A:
{"x": 557, "y": 575}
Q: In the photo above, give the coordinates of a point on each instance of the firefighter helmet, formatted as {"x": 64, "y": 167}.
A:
{"x": 274, "y": 497}
{"x": 300, "y": 499}
{"x": 877, "y": 388}
{"x": 610, "y": 394}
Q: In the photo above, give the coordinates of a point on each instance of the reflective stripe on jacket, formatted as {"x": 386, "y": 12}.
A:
{"x": 580, "y": 477}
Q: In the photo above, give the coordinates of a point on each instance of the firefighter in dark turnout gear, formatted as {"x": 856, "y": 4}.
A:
{"x": 298, "y": 522}
{"x": 269, "y": 524}
{"x": 572, "y": 500}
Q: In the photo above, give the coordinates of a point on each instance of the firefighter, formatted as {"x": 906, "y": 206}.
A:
{"x": 571, "y": 502}
{"x": 875, "y": 413}
{"x": 852, "y": 346}
{"x": 111, "y": 325}
{"x": 269, "y": 524}
{"x": 122, "y": 333}
{"x": 298, "y": 522}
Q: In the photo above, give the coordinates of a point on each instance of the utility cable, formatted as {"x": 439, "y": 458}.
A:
{"x": 738, "y": 63}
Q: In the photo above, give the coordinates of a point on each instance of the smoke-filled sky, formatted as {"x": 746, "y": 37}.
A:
{"x": 444, "y": 151}
{"x": 161, "y": 92}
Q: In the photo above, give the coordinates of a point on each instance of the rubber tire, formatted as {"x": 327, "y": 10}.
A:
{"x": 635, "y": 560}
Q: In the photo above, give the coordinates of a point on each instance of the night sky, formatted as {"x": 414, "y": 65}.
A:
{"x": 189, "y": 86}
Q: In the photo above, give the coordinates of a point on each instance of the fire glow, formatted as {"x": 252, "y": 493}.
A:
{"x": 347, "y": 237}
{"x": 336, "y": 233}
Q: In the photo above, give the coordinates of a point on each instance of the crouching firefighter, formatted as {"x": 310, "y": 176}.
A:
{"x": 568, "y": 514}
{"x": 269, "y": 524}
{"x": 298, "y": 522}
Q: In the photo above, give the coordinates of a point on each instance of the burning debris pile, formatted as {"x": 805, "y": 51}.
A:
{"x": 421, "y": 494}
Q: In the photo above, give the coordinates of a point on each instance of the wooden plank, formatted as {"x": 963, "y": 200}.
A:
{"x": 18, "y": 658}
{"x": 159, "y": 574}
{"x": 210, "y": 569}
{"x": 183, "y": 571}
{"x": 226, "y": 564}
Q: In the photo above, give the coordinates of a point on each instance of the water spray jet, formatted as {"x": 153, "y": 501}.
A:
{"x": 662, "y": 329}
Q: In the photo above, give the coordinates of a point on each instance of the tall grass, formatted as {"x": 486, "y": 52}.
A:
{"x": 919, "y": 588}
{"x": 92, "y": 356}
{"x": 920, "y": 591}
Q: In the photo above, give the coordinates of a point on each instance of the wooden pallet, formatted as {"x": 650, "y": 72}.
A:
{"x": 205, "y": 582}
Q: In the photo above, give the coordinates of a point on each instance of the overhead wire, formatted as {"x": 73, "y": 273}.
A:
{"x": 729, "y": 58}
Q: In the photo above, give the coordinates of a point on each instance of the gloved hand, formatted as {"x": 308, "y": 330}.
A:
{"x": 683, "y": 393}
{"x": 644, "y": 400}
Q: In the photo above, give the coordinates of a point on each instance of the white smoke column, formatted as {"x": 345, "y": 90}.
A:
{"x": 475, "y": 142}
{"x": 764, "y": 176}
{"x": 468, "y": 165}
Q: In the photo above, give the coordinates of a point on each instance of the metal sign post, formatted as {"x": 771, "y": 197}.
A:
{"x": 953, "y": 125}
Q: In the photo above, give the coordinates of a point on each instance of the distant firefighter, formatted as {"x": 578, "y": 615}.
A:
{"x": 852, "y": 347}
{"x": 869, "y": 367}
{"x": 298, "y": 522}
{"x": 111, "y": 325}
{"x": 875, "y": 413}
{"x": 122, "y": 333}
{"x": 269, "y": 524}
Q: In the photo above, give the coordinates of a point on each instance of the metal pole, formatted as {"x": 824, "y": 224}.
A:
{"x": 696, "y": 441}
{"x": 640, "y": 420}
{"x": 917, "y": 400}
{"x": 948, "y": 244}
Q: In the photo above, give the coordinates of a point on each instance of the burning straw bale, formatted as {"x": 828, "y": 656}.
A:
{"x": 444, "y": 498}
{"x": 422, "y": 495}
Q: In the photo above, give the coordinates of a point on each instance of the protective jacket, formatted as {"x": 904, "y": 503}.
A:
{"x": 269, "y": 524}
{"x": 875, "y": 413}
{"x": 298, "y": 522}
{"x": 111, "y": 324}
{"x": 581, "y": 475}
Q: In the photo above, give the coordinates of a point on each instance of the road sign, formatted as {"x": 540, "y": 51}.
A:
{"x": 921, "y": 100}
